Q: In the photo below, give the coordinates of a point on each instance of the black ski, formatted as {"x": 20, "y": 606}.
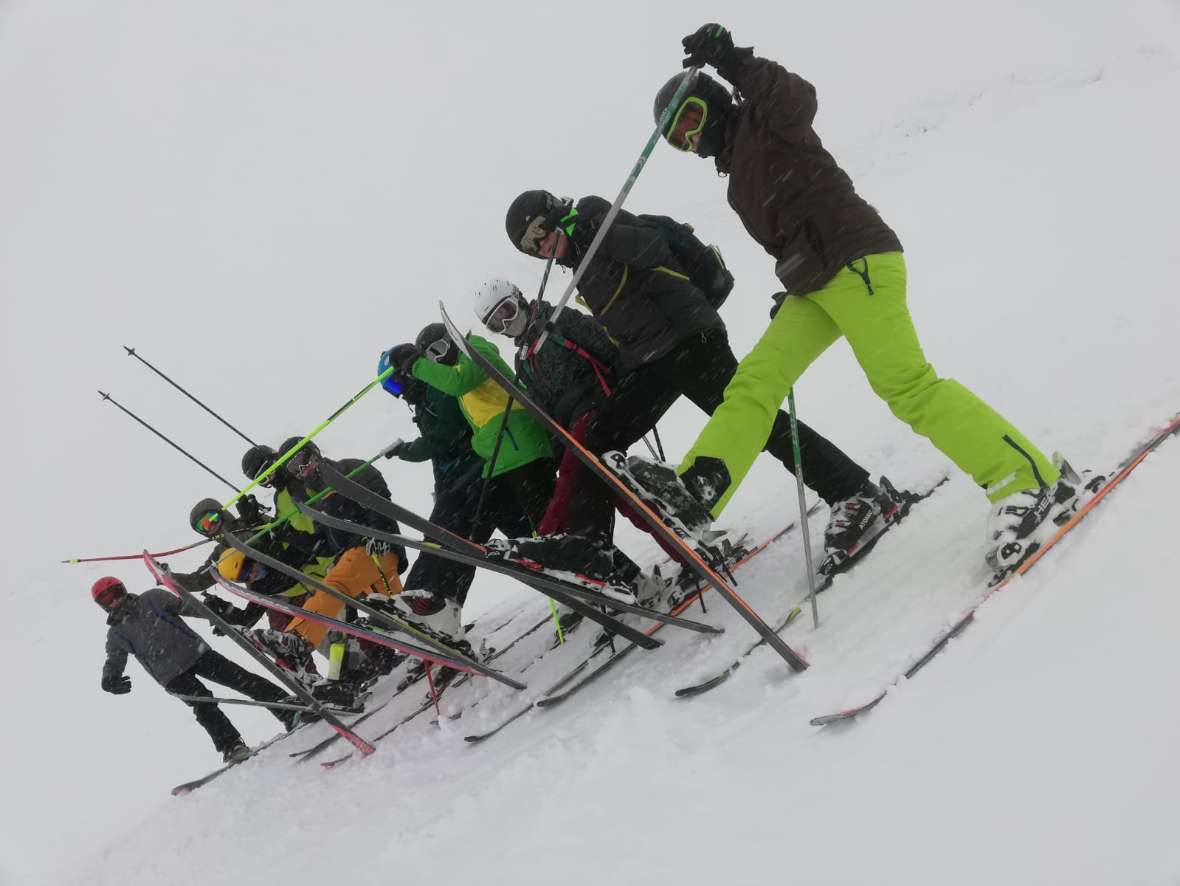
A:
{"x": 547, "y": 584}
{"x": 689, "y": 554}
{"x": 377, "y": 615}
{"x": 458, "y": 544}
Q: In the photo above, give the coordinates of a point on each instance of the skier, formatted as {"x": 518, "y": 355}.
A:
{"x": 362, "y": 568}
{"x": 148, "y": 626}
{"x": 516, "y": 460}
{"x": 572, "y": 380}
{"x": 672, "y": 342}
{"x": 843, "y": 273}
{"x": 444, "y": 441}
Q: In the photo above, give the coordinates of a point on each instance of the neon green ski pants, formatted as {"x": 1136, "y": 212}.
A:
{"x": 866, "y": 303}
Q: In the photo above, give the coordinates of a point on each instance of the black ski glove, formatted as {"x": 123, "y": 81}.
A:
{"x": 712, "y": 44}
{"x": 219, "y": 606}
{"x": 116, "y": 685}
{"x": 250, "y": 510}
{"x": 778, "y": 298}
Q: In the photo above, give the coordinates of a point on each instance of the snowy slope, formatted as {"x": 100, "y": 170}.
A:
{"x": 261, "y": 201}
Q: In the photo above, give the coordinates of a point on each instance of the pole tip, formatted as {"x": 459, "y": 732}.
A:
{"x": 104, "y": 395}
{"x": 130, "y": 351}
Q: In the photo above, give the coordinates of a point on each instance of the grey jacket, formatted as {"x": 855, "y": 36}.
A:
{"x": 148, "y": 626}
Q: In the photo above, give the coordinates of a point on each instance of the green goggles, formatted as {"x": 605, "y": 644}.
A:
{"x": 686, "y": 144}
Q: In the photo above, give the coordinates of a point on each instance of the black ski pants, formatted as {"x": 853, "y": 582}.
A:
{"x": 514, "y": 503}
{"x": 699, "y": 368}
{"x": 455, "y": 501}
{"x": 216, "y": 667}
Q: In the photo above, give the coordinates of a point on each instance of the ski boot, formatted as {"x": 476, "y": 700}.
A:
{"x": 290, "y": 652}
{"x": 436, "y": 616}
{"x": 1019, "y": 524}
{"x": 855, "y": 523}
{"x": 236, "y": 753}
{"x": 590, "y": 563}
{"x": 681, "y": 502}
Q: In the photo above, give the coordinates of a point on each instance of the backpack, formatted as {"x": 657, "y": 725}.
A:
{"x": 702, "y": 263}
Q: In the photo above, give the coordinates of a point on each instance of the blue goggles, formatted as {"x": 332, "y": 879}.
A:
{"x": 391, "y": 384}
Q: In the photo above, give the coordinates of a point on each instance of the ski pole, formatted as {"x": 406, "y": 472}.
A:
{"x": 276, "y": 705}
{"x": 608, "y": 219}
{"x": 802, "y": 506}
{"x": 173, "y": 445}
{"x": 131, "y": 353}
{"x": 76, "y": 560}
{"x": 327, "y": 421}
{"x": 655, "y": 432}
{"x": 483, "y": 491}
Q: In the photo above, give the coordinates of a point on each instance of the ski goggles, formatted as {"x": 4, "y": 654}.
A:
{"x": 209, "y": 524}
{"x": 108, "y": 597}
{"x": 303, "y": 464}
{"x": 438, "y": 349}
{"x": 503, "y": 316}
{"x": 684, "y": 141}
{"x": 530, "y": 241}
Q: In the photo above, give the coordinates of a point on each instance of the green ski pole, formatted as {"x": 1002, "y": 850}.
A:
{"x": 327, "y": 421}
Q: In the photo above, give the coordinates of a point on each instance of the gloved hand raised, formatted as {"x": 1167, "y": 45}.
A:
{"x": 116, "y": 685}
{"x": 712, "y": 44}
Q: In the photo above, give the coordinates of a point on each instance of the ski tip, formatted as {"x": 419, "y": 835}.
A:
{"x": 701, "y": 688}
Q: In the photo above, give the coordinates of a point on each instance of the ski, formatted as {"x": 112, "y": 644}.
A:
{"x": 963, "y": 622}
{"x": 279, "y": 604}
{"x": 163, "y": 575}
{"x": 851, "y": 558}
{"x": 441, "y": 651}
{"x": 555, "y": 699}
{"x": 315, "y": 750}
{"x": 538, "y": 580}
{"x": 189, "y": 786}
{"x": 274, "y": 705}
{"x": 458, "y": 544}
{"x": 689, "y": 554}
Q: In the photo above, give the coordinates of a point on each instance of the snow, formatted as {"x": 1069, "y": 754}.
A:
{"x": 262, "y": 199}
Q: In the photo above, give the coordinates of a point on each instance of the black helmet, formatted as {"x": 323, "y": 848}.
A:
{"x": 256, "y": 460}
{"x": 711, "y": 97}
{"x": 435, "y": 342}
{"x": 304, "y": 462}
{"x": 207, "y": 518}
{"x": 527, "y": 215}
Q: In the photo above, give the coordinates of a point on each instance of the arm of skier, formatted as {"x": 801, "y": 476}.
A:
{"x": 455, "y": 380}
{"x": 784, "y": 99}
{"x": 113, "y": 680}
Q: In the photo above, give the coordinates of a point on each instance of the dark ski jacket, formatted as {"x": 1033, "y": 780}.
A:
{"x": 483, "y": 402}
{"x": 635, "y": 286}
{"x": 148, "y": 626}
{"x": 576, "y": 369}
{"x": 787, "y": 189}
{"x": 445, "y": 438}
{"x": 337, "y": 505}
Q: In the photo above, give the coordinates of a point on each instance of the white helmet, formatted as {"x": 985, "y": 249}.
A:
{"x": 501, "y": 307}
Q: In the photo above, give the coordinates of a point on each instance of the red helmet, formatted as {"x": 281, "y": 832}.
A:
{"x": 107, "y": 591}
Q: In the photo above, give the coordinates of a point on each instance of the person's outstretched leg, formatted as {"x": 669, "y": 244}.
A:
{"x": 704, "y": 368}
{"x": 221, "y": 731}
{"x": 867, "y": 301}
{"x": 739, "y": 428}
